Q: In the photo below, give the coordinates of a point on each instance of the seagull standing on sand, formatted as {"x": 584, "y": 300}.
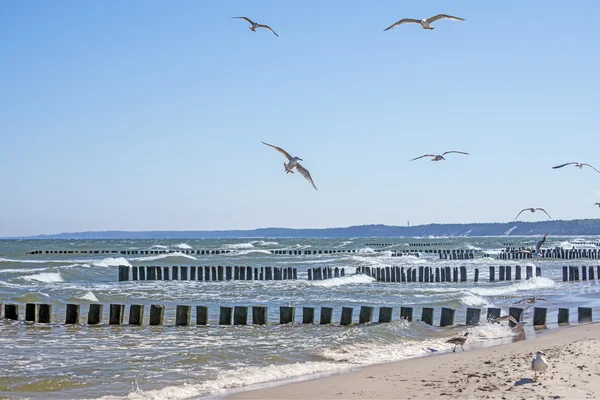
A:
{"x": 532, "y": 209}
{"x": 293, "y": 163}
{"x": 459, "y": 340}
{"x": 253, "y": 25}
{"x": 425, "y": 22}
{"x": 539, "y": 364}
{"x": 439, "y": 157}
{"x": 577, "y": 164}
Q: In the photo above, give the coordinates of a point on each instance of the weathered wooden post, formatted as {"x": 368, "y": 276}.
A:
{"x": 563, "y": 316}
{"x": 454, "y": 274}
{"x": 11, "y": 311}
{"x": 584, "y": 315}
{"x": 427, "y": 315}
{"x": 476, "y": 279}
{"x": 157, "y": 315}
{"x": 159, "y": 275}
{"x": 473, "y": 316}
{"x": 516, "y": 313}
{"x": 538, "y": 272}
{"x": 136, "y": 314}
{"x": 184, "y": 273}
{"x": 414, "y": 275}
{"x": 385, "y": 314}
{"x": 213, "y": 273}
{"x": 492, "y": 273}
{"x": 518, "y": 273}
{"x": 565, "y": 273}
{"x": 493, "y": 314}
{"x": 183, "y": 315}
{"x": 447, "y": 317}
{"x": 260, "y": 315}
{"x": 134, "y": 273}
{"x": 175, "y": 270}
{"x": 72, "y": 314}
{"x": 201, "y": 315}
{"x": 310, "y": 274}
{"x": 45, "y": 313}
{"x": 308, "y": 315}
{"x": 346, "y": 318}
{"x": 426, "y": 274}
{"x": 117, "y": 312}
{"x": 95, "y": 314}
{"x": 583, "y": 273}
{"x": 192, "y": 273}
{"x": 225, "y": 315}
{"x": 591, "y": 273}
{"x": 366, "y": 315}
{"x": 220, "y": 272}
{"x": 463, "y": 274}
{"x": 443, "y": 275}
{"x": 326, "y": 315}
{"x": 31, "y": 312}
{"x": 402, "y": 275}
{"x": 240, "y": 315}
{"x": 287, "y": 315}
{"x": 437, "y": 274}
{"x": 539, "y": 316}
{"x": 421, "y": 274}
{"x": 166, "y": 276}
{"x": 123, "y": 273}
{"x": 406, "y": 313}
{"x": 528, "y": 272}
{"x": 142, "y": 273}
{"x": 502, "y": 273}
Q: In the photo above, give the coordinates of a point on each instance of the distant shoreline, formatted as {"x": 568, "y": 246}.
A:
{"x": 581, "y": 227}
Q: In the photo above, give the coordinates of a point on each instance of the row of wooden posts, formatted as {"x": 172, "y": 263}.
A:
{"x": 131, "y": 252}
{"x": 445, "y": 254}
{"x": 238, "y": 315}
{"x": 207, "y": 273}
{"x": 571, "y": 273}
{"x": 321, "y": 273}
{"x": 443, "y": 274}
{"x": 557, "y": 253}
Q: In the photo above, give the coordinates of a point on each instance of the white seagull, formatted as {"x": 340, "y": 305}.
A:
{"x": 293, "y": 163}
{"x": 439, "y": 157}
{"x": 577, "y": 164}
{"x": 425, "y": 22}
{"x": 538, "y": 247}
{"x": 539, "y": 364}
{"x": 253, "y": 25}
{"x": 532, "y": 209}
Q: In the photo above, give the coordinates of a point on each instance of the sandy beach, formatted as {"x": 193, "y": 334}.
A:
{"x": 497, "y": 372}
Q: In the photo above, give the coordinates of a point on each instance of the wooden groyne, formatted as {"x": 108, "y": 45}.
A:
{"x": 322, "y": 273}
{"x": 423, "y": 274}
{"x": 557, "y": 253}
{"x": 131, "y": 252}
{"x": 571, "y": 273}
{"x": 206, "y": 273}
{"x": 444, "y": 254}
{"x": 239, "y": 315}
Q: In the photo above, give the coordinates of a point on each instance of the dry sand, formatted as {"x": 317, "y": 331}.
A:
{"x": 497, "y": 372}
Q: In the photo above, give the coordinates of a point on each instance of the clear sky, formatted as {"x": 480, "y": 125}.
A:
{"x": 149, "y": 115}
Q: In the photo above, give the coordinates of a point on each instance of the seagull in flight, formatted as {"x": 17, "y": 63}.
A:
{"x": 439, "y": 157}
{"x": 425, "y": 22}
{"x": 577, "y": 164}
{"x": 532, "y": 210}
{"x": 518, "y": 326}
{"x": 293, "y": 163}
{"x": 596, "y": 204}
{"x": 538, "y": 247}
{"x": 253, "y": 25}
{"x": 531, "y": 300}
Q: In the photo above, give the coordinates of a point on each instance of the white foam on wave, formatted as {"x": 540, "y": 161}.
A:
{"x": 158, "y": 246}
{"x": 161, "y": 256}
{"x": 263, "y": 243}
{"x": 110, "y": 262}
{"x": 21, "y": 270}
{"x": 89, "y": 296}
{"x": 250, "y": 251}
{"x": 183, "y": 246}
{"x": 530, "y": 285}
{"x": 46, "y": 277}
{"x": 238, "y": 246}
{"x": 346, "y": 280}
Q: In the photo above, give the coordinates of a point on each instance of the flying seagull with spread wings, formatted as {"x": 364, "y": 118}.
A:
{"x": 596, "y": 204}
{"x": 532, "y": 210}
{"x": 253, "y": 25}
{"x": 439, "y": 157}
{"x": 577, "y": 164}
{"x": 293, "y": 163}
{"x": 538, "y": 248}
{"x": 425, "y": 22}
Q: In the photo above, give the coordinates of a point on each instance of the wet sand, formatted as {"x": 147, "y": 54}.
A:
{"x": 497, "y": 372}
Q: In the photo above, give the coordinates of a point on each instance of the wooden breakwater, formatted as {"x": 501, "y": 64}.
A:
{"x": 239, "y": 315}
{"x": 444, "y": 254}
{"x": 423, "y": 274}
{"x": 206, "y": 273}
{"x": 132, "y": 252}
{"x": 571, "y": 273}
{"x": 557, "y": 253}
{"x": 322, "y": 273}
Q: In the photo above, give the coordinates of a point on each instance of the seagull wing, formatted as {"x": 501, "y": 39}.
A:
{"x": 592, "y": 167}
{"x": 520, "y": 301}
{"x": 441, "y": 16}
{"x": 403, "y": 21}
{"x": 304, "y": 172}
{"x": 245, "y": 18}
{"x": 563, "y": 165}
{"x": 525, "y": 209}
{"x": 424, "y": 155}
{"x": 541, "y": 299}
{"x": 279, "y": 149}
{"x": 507, "y": 317}
{"x": 454, "y": 151}
{"x": 269, "y": 28}
{"x": 541, "y": 209}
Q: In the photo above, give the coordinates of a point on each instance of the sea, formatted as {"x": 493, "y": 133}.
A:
{"x": 58, "y": 361}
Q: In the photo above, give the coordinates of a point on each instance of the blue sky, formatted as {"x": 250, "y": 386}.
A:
{"x": 150, "y": 115}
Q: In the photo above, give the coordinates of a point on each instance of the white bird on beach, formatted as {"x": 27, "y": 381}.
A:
{"x": 253, "y": 25}
{"x": 532, "y": 209}
{"x": 459, "y": 340}
{"x": 439, "y": 157}
{"x": 539, "y": 364}
{"x": 577, "y": 164}
{"x": 425, "y": 22}
{"x": 293, "y": 163}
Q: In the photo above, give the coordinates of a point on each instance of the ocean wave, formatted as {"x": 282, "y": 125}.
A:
{"x": 46, "y": 277}
{"x": 161, "y": 257}
{"x": 110, "y": 262}
{"x": 528, "y": 285}
{"x": 21, "y": 270}
{"x": 263, "y": 243}
{"x": 158, "y": 246}
{"x": 246, "y": 252}
{"x": 238, "y": 246}
{"x": 346, "y": 280}
{"x": 183, "y": 246}
{"x": 89, "y": 296}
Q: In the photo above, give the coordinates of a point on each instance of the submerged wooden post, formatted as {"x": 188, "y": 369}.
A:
{"x": 201, "y": 315}
{"x": 157, "y": 315}
{"x": 476, "y": 279}
{"x": 427, "y": 315}
{"x": 192, "y": 273}
{"x": 502, "y": 273}
{"x": 584, "y": 315}
{"x": 518, "y": 273}
{"x": 493, "y": 313}
{"x": 563, "y": 316}
{"x": 492, "y": 273}
{"x": 539, "y": 316}
{"x": 240, "y": 315}
{"x": 463, "y": 274}
{"x": 260, "y": 315}
{"x": 136, "y": 314}
{"x": 447, "y": 317}
{"x": 385, "y": 314}
{"x": 406, "y": 313}
{"x": 117, "y": 313}
{"x": 308, "y": 315}
{"x": 183, "y": 315}
{"x": 528, "y": 272}
{"x": 31, "y": 312}
{"x": 538, "y": 272}
{"x": 287, "y": 315}
{"x": 175, "y": 270}
{"x": 366, "y": 314}
{"x": 95, "y": 314}
{"x": 45, "y": 313}
{"x": 184, "y": 273}
{"x": 134, "y": 273}
{"x": 72, "y": 314}
{"x": 225, "y": 315}
{"x": 11, "y": 311}
{"x": 473, "y": 316}
{"x": 326, "y": 315}
{"x": 565, "y": 273}
{"x": 517, "y": 313}
{"x": 508, "y": 273}
{"x": 166, "y": 274}
{"x": 346, "y": 318}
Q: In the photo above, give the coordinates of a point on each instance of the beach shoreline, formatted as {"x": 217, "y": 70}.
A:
{"x": 497, "y": 371}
